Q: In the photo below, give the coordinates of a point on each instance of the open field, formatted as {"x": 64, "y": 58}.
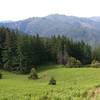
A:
{"x": 72, "y": 84}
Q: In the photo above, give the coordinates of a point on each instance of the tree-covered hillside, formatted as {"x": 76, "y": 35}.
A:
{"x": 20, "y": 52}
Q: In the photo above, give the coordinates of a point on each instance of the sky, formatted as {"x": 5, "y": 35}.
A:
{"x": 21, "y": 9}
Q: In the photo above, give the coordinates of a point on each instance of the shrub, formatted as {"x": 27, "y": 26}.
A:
{"x": 52, "y": 81}
{"x": 73, "y": 62}
{"x": 33, "y": 74}
{"x": 0, "y": 76}
{"x": 95, "y": 64}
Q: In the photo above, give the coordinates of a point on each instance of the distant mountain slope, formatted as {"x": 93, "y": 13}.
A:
{"x": 97, "y": 19}
{"x": 87, "y": 29}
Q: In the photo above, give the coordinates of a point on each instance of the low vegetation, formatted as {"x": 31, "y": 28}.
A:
{"x": 73, "y": 62}
{"x": 33, "y": 74}
{"x": 95, "y": 64}
{"x": 52, "y": 81}
{"x": 72, "y": 84}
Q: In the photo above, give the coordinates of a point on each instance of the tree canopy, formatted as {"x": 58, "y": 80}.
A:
{"x": 19, "y": 52}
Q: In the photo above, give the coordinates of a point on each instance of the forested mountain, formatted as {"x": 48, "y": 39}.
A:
{"x": 20, "y": 52}
{"x": 87, "y": 29}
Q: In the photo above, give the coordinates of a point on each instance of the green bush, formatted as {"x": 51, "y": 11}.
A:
{"x": 52, "y": 81}
{"x": 95, "y": 64}
{"x": 33, "y": 74}
{"x": 73, "y": 62}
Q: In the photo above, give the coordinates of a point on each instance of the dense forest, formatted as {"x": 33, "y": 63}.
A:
{"x": 20, "y": 52}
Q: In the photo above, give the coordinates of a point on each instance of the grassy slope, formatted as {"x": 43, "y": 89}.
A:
{"x": 71, "y": 83}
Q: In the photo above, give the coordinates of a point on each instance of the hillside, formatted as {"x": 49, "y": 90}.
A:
{"x": 72, "y": 83}
{"x": 87, "y": 29}
{"x": 97, "y": 19}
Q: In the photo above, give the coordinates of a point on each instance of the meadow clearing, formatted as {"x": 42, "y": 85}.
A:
{"x": 72, "y": 84}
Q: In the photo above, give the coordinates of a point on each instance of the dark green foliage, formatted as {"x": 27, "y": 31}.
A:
{"x": 9, "y": 50}
{"x": 52, "y": 81}
{"x": 0, "y": 75}
{"x": 62, "y": 52}
{"x": 80, "y": 51}
{"x": 19, "y": 52}
{"x": 96, "y": 54}
{"x": 2, "y": 40}
{"x": 33, "y": 74}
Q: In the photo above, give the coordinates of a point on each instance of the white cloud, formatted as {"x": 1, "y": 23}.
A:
{"x": 21, "y": 9}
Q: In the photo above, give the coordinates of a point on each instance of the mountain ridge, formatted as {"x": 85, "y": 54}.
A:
{"x": 78, "y": 28}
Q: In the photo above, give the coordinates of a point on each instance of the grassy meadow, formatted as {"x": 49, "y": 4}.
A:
{"x": 72, "y": 84}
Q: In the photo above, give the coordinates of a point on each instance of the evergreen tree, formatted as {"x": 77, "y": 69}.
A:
{"x": 9, "y": 52}
{"x": 19, "y": 52}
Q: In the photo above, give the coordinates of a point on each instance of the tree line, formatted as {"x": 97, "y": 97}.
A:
{"x": 20, "y": 52}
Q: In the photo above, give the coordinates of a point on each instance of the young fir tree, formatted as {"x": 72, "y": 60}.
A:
{"x": 9, "y": 50}
{"x": 33, "y": 74}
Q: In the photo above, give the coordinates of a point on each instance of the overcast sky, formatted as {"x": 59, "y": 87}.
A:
{"x": 22, "y": 9}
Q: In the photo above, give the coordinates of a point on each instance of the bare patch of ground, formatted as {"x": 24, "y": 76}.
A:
{"x": 94, "y": 94}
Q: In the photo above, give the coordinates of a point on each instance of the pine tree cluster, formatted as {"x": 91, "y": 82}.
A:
{"x": 19, "y": 52}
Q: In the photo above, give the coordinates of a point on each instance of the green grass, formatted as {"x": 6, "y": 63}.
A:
{"x": 72, "y": 84}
